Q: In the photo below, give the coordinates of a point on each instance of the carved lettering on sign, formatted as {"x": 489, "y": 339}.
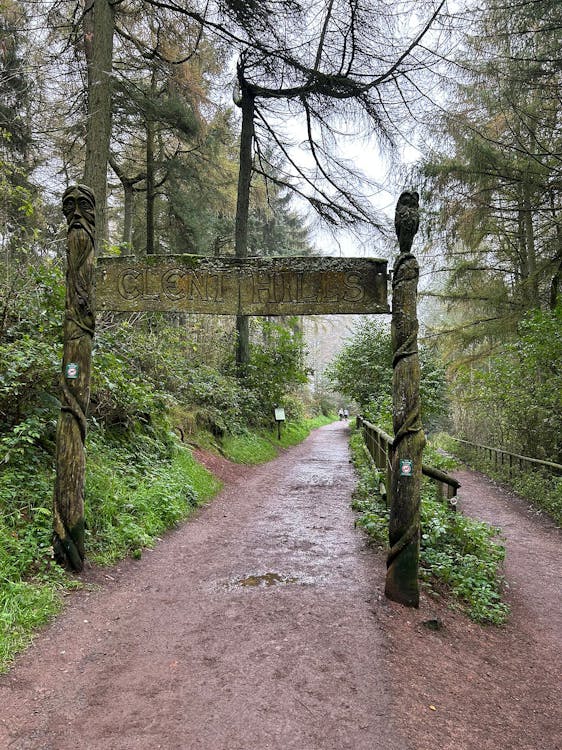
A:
{"x": 354, "y": 291}
{"x": 128, "y": 285}
{"x": 263, "y": 288}
{"x": 250, "y": 286}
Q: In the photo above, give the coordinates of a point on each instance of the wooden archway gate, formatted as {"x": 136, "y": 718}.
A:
{"x": 239, "y": 286}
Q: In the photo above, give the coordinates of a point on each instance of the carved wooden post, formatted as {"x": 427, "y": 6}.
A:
{"x": 78, "y": 332}
{"x": 409, "y": 440}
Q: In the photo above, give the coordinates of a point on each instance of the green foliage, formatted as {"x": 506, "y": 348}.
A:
{"x": 433, "y": 389}
{"x": 274, "y": 227}
{"x": 502, "y": 262}
{"x": 25, "y": 518}
{"x": 515, "y": 401}
{"x": 294, "y": 432}
{"x": 276, "y": 366}
{"x": 24, "y": 607}
{"x": 154, "y": 365}
{"x": 30, "y": 585}
{"x": 121, "y": 395}
{"x": 542, "y": 488}
{"x": 362, "y": 372}
{"x": 248, "y": 448}
{"x": 501, "y": 265}
{"x": 30, "y": 353}
{"x": 17, "y": 193}
{"x": 374, "y": 515}
{"x": 436, "y": 454}
{"x": 138, "y": 485}
{"x": 462, "y": 554}
{"x": 457, "y": 553}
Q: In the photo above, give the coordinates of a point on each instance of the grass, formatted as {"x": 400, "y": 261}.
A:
{"x": 457, "y": 554}
{"x": 256, "y": 448}
{"x": 135, "y": 490}
{"x": 30, "y": 585}
{"x": 131, "y": 500}
{"x": 24, "y": 607}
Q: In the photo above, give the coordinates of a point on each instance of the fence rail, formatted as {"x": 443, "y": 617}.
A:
{"x": 378, "y": 444}
{"x": 511, "y": 460}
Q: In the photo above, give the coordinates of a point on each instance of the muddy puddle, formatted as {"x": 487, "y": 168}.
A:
{"x": 265, "y": 580}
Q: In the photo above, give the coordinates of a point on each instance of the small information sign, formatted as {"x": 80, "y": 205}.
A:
{"x": 71, "y": 370}
{"x": 406, "y": 467}
{"x": 279, "y": 415}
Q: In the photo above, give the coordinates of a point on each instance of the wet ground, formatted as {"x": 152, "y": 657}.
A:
{"x": 251, "y": 627}
{"x": 260, "y": 624}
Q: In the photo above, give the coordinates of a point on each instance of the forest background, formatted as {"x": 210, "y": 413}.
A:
{"x": 166, "y": 109}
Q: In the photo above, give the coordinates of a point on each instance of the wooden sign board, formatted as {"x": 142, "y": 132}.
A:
{"x": 242, "y": 286}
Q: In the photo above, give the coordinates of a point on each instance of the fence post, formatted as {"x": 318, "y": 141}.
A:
{"x": 388, "y": 470}
{"x": 78, "y": 333}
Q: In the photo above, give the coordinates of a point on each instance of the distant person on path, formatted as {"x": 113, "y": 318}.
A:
{"x": 340, "y": 413}
{"x": 345, "y": 414}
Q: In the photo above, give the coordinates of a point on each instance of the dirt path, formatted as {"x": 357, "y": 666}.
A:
{"x": 261, "y": 624}
{"x": 176, "y": 652}
{"x": 467, "y": 687}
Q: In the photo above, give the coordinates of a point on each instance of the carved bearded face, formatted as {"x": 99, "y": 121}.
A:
{"x": 78, "y": 206}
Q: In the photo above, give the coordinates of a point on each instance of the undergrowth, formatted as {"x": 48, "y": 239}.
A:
{"x": 30, "y": 586}
{"x": 135, "y": 490}
{"x": 457, "y": 553}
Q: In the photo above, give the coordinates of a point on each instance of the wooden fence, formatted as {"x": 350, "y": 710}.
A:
{"x": 378, "y": 444}
{"x": 508, "y": 460}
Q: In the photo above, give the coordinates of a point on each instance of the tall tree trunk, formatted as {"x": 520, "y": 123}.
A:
{"x": 128, "y": 206}
{"x": 150, "y": 171}
{"x": 242, "y": 211}
{"x": 532, "y": 283}
{"x": 149, "y": 186}
{"x": 554, "y": 291}
{"x": 127, "y": 184}
{"x": 99, "y": 23}
{"x": 557, "y": 276}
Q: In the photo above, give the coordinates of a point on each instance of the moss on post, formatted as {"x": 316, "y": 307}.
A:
{"x": 78, "y": 332}
{"x": 409, "y": 440}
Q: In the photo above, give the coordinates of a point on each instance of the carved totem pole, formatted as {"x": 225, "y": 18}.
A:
{"x": 78, "y": 331}
{"x": 409, "y": 440}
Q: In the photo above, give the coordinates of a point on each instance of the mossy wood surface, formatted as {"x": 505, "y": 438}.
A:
{"x": 409, "y": 439}
{"x": 243, "y": 286}
{"x": 78, "y": 332}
